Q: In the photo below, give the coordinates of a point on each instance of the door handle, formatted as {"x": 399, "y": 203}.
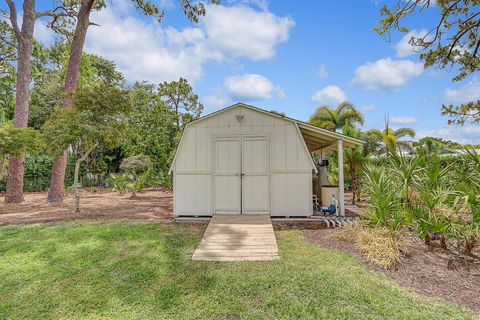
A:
{"x": 240, "y": 175}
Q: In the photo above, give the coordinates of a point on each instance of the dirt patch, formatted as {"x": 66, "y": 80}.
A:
{"x": 428, "y": 271}
{"x": 155, "y": 203}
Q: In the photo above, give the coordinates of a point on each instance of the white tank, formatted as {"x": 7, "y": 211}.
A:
{"x": 328, "y": 193}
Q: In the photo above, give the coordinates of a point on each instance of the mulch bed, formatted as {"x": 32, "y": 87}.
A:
{"x": 154, "y": 203}
{"x": 429, "y": 271}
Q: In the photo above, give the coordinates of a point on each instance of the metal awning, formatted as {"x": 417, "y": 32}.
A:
{"x": 316, "y": 138}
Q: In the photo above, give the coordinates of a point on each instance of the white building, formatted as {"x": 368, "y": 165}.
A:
{"x": 245, "y": 160}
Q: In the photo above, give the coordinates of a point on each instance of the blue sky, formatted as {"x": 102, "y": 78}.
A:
{"x": 288, "y": 56}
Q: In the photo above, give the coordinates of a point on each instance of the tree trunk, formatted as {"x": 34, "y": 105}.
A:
{"x": 359, "y": 189}
{"x": 57, "y": 179}
{"x": 75, "y": 179}
{"x": 14, "y": 192}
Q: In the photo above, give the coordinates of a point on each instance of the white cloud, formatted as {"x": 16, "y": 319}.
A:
{"x": 322, "y": 72}
{"x": 404, "y": 48}
{"x": 465, "y": 134}
{"x": 218, "y": 99}
{"x": 243, "y": 32}
{"x": 386, "y": 74}
{"x": 249, "y": 87}
{"x": 403, "y": 120}
{"x": 147, "y": 51}
{"x": 214, "y": 102}
{"x": 279, "y": 93}
{"x": 43, "y": 34}
{"x": 469, "y": 92}
{"x": 368, "y": 108}
{"x": 330, "y": 95}
{"x": 262, "y": 4}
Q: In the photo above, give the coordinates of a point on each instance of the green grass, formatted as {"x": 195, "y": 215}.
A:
{"x": 133, "y": 270}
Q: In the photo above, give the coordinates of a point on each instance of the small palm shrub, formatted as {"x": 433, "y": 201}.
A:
{"x": 406, "y": 173}
{"x": 385, "y": 209}
{"x": 467, "y": 186}
{"x": 119, "y": 182}
{"x": 141, "y": 181}
{"x": 423, "y": 194}
{"x": 128, "y": 182}
{"x": 381, "y": 235}
{"x": 135, "y": 177}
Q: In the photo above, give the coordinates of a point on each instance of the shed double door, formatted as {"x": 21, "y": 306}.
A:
{"x": 241, "y": 175}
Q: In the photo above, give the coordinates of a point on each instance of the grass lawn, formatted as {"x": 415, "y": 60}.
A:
{"x": 131, "y": 269}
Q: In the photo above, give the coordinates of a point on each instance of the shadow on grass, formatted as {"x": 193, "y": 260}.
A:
{"x": 91, "y": 267}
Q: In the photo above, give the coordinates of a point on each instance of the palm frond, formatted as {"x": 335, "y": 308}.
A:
{"x": 347, "y": 113}
{"x": 374, "y": 133}
{"x": 324, "y": 117}
{"x": 402, "y": 132}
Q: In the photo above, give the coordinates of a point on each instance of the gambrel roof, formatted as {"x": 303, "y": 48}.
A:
{"x": 315, "y": 138}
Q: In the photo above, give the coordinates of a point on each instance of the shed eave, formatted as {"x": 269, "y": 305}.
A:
{"x": 322, "y": 138}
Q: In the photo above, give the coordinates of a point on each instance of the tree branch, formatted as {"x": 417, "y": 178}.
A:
{"x": 13, "y": 19}
{"x": 54, "y": 14}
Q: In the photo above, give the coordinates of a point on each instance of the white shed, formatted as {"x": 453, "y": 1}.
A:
{"x": 245, "y": 160}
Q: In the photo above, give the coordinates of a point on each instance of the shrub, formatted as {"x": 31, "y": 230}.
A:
{"x": 128, "y": 182}
{"x": 347, "y": 233}
{"x": 379, "y": 244}
{"x": 438, "y": 197}
{"x": 38, "y": 166}
{"x": 383, "y": 246}
{"x": 136, "y": 164}
{"x": 384, "y": 196}
{"x": 119, "y": 182}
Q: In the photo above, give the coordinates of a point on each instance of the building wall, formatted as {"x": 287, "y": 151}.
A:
{"x": 290, "y": 166}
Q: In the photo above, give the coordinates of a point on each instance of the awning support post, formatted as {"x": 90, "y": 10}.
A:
{"x": 341, "y": 181}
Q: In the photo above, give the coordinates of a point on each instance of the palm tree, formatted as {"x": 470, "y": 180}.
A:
{"x": 354, "y": 159}
{"x": 335, "y": 118}
{"x": 390, "y": 137}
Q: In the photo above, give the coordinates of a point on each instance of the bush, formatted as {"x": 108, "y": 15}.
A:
{"x": 37, "y": 172}
{"x": 379, "y": 244}
{"x": 124, "y": 182}
{"x": 384, "y": 196}
{"x": 383, "y": 246}
{"x": 136, "y": 164}
{"x": 119, "y": 182}
{"x": 438, "y": 197}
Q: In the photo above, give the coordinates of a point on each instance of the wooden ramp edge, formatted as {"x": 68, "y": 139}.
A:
{"x": 238, "y": 238}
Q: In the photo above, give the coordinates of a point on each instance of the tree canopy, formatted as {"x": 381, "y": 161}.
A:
{"x": 390, "y": 137}
{"x": 179, "y": 97}
{"x": 97, "y": 116}
{"x": 451, "y": 42}
{"x": 335, "y": 118}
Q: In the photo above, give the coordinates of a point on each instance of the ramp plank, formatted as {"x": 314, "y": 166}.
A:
{"x": 238, "y": 238}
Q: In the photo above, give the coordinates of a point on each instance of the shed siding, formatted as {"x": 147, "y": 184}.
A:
{"x": 290, "y": 165}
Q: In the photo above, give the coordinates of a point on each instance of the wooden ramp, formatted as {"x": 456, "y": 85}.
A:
{"x": 238, "y": 237}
